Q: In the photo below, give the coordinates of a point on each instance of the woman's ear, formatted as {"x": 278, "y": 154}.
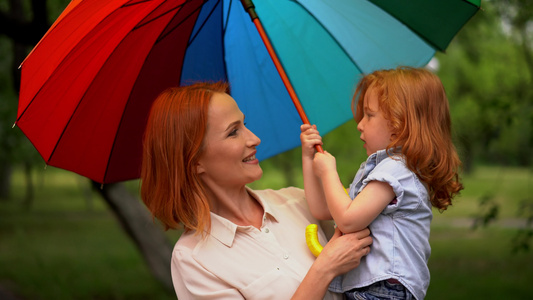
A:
{"x": 199, "y": 168}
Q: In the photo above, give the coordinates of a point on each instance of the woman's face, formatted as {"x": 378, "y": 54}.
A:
{"x": 229, "y": 147}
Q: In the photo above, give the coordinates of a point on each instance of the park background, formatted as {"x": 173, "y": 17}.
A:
{"x": 61, "y": 239}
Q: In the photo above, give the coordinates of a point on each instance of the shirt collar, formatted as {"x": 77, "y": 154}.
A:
{"x": 224, "y": 230}
{"x": 380, "y": 155}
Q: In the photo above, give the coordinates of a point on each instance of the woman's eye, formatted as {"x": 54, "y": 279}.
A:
{"x": 233, "y": 132}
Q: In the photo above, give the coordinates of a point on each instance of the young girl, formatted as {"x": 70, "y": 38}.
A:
{"x": 412, "y": 165}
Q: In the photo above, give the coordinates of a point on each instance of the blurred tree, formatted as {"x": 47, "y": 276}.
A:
{"x": 140, "y": 227}
{"x": 21, "y": 32}
{"x": 488, "y": 74}
{"x": 517, "y": 19}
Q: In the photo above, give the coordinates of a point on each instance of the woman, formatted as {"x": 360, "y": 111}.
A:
{"x": 237, "y": 243}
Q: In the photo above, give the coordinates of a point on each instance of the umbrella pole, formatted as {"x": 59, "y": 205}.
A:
{"x": 250, "y": 8}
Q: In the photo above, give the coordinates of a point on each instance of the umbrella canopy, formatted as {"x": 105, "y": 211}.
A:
{"x": 88, "y": 85}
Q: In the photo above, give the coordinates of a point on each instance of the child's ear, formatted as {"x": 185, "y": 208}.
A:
{"x": 393, "y": 137}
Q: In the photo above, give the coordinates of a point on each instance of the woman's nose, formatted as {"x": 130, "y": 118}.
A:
{"x": 252, "y": 139}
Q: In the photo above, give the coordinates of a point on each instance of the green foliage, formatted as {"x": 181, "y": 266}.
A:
{"x": 488, "y": 213}
{"x": 522, "y": 238}
{"x": 488, "y": 78}
{"x": 55, "y": 7}
{"x": 505, "y": 194}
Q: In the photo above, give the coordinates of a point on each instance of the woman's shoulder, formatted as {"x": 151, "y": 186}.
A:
{"x": 187, "y": 241}
{"x": 289, "y": 200}
{"x": 283, "y": 195}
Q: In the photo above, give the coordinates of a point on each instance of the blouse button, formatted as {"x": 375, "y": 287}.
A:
{"x": 267, "y": 230}
{"x": 286, "y": 256}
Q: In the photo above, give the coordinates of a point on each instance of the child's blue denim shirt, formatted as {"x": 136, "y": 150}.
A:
{"x": 400, "y": 248}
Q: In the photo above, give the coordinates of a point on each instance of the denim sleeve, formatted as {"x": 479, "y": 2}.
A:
{"x": 392, "y": 172}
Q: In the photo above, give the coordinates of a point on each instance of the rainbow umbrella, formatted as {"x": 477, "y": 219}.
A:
{"x": 88, "y": 85}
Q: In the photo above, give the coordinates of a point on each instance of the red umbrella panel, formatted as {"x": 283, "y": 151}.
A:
{"x": 77, "y": 135}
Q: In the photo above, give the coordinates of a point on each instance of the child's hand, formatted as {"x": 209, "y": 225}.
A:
{"x": 323, "y": 163}
{"x": 309, "y": 138}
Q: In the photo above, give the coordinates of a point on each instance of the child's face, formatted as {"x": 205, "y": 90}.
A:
{"x": 374, "y": 128}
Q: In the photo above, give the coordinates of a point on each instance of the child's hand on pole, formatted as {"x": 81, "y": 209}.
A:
{"x": 309, "y": 138}
{"x": 324, "y": 163}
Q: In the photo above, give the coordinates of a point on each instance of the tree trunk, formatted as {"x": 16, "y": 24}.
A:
{"x": 139, "y": 225}
{"x": 5, "y": 180}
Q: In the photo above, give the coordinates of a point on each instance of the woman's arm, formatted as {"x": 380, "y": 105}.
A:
{"x": 341, "y": 254}
{"x": 351, "y": 216}
{"x": 314, "y": 193}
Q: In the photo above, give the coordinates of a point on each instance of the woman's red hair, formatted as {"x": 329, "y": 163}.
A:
{"x": 172, "y": 146}
{"x": 414, "y": 102}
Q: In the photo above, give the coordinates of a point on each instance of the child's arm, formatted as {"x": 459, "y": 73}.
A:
{"x": 350, "y": 215}
{"x": 314, "y": 192}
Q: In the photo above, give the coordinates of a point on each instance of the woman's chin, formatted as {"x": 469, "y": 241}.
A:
{"x": 258, "y": 175}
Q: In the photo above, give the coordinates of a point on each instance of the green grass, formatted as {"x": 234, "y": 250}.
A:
{"x": 480, "y": 264}
{"x": 468, "y": 264}
{"x": 69, "y": 246}
{"x": 507, "y": 186}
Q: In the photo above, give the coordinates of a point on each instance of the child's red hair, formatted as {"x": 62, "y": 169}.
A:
{"x": 414, "y": 102}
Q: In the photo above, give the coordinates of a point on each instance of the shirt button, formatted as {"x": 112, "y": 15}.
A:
{"x": 267, "y": 230}
{"x": 286, "y": 256}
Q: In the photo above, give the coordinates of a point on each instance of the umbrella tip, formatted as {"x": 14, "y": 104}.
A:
{"x": 14, "y": 124}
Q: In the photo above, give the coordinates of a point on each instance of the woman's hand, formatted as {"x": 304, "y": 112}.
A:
{"x": 341, "y": 254}
{"x": 344, "y": 252}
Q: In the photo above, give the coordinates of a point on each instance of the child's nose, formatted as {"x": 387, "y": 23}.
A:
{"x": 360, "y": 126}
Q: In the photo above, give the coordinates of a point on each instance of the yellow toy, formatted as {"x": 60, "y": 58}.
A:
{"x": 311, "y": 238}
